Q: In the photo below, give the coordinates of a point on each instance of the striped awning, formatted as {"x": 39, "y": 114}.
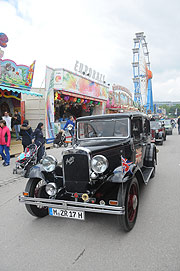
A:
{"x": 76, "y": 95}
{"x": 21, "y": 91}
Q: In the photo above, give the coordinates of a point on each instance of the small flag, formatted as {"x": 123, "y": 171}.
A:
{"x": 126, "y": 165}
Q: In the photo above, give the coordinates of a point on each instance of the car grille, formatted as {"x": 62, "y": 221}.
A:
{"x": 76, "y": 172}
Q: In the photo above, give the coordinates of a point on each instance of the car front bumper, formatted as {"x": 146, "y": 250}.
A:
{"x": 73, "y": 205}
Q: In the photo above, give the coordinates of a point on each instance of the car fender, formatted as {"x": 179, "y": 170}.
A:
{"x": 134, "y": 170}
{"x": 36, "y": 172}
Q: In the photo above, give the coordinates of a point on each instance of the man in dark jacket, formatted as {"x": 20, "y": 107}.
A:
{"x": 178, "y": 125}
{"x": 26, "y": 133}
{"x": 17, "y": 124}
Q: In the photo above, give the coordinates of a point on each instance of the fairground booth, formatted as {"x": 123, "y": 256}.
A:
{"x": 67, "y": 93}
{"x": 15, "y": 80}
{"x": 119, "y": 100}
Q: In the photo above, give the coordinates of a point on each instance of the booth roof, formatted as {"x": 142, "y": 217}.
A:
{"x": 68, "y": 93}
{"x": 21, "y": 91}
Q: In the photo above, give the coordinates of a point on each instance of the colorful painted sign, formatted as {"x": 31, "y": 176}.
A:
{"x": 49, "y": 101}
{"x": 17, "y": 76}
{"x": 119, "y": 96}
{"x": 73, "y": 83}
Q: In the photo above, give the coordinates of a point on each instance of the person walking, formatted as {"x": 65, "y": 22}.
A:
{"x": 7, "y": 119}
{"x": 26, "y": 133}
{"x": 70, "y": 125}
{"x": 39, "y": 140}
{"x": 17, "y": 124}
{"x": 178, "y": 122}
{"x": 5, "y": 140}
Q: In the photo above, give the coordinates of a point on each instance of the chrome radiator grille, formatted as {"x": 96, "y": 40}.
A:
{"x": 76, "y": 172}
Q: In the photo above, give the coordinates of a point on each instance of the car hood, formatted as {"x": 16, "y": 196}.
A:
{"x": 96, "y": 145}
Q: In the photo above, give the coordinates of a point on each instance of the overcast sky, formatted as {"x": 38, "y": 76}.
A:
{"x": 98, "y": 33}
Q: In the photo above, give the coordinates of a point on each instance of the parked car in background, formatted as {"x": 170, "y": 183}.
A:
{"x": 168, "y": 126}
{"x": 101, "y": 173}
{"x": 158, "y": 132}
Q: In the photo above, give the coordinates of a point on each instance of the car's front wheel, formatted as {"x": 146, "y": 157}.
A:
{"x": 36, "y": 189}
{"x": 128, "y": 196}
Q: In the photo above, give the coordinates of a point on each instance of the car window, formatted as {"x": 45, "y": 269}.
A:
{"x": 167, "y": 122}
{"x": 103, "y": 128}
{"x": 136, "y": 127}
{"x": 121, "y": 128}
{"x": 146, "y": 126}
{"x": 155, "y": 124}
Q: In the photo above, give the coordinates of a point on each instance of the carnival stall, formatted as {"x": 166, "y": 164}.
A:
{"x": 119, "y": 100}
{"x": 15, "y": 80}
{"x": 67, "y": 93}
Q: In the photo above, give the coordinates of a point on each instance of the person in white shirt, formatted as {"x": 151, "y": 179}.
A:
{"x": 7, "y": 119}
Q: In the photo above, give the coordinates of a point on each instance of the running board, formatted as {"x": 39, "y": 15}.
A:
{"x": 147, "y": 171}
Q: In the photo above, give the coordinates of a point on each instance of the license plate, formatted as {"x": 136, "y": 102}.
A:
{"x": 67, "y": 213}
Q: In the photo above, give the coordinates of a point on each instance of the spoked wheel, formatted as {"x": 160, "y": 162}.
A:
{"x": 129, "y": 197}
{"x": 36, "y": 189}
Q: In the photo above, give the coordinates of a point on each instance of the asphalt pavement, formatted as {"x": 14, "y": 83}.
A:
{"x": 28, "y": 243}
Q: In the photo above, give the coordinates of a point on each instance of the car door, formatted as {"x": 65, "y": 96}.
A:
{"x": 137, "y": 135}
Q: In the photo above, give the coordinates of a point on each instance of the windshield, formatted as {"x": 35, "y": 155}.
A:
{"x": 102, "y": 128}
{"x": 167, "y": 122}
{"x": 155, "y": 124}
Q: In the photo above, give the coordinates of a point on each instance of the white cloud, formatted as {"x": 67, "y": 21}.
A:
{"x": 98, "y": 33}
{"x": 167, "y": 86}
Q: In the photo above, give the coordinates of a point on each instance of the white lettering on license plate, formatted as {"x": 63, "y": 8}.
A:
{"x": 67, "y": 213}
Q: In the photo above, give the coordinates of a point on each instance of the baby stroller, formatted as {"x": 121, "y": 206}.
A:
{"x": 27, "y": 159}
{"x": 60, "y": 140}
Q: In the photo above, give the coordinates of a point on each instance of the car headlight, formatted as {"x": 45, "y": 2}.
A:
{"x": 51, "y": 189}
{"x": 99, "y": 164}
{"x": 49, "y": 163}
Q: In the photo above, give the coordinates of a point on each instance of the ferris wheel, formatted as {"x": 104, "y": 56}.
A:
{"x": 142, "y": 74}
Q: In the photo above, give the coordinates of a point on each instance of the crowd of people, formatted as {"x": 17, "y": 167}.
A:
{"x": 23, "y": 132}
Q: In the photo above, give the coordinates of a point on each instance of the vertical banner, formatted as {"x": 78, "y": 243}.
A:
{"x": 49, "y": 104}
{"x": 22, "y": 111}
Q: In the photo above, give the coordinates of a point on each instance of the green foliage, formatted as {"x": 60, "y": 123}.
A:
{"x": 170, "y": 110}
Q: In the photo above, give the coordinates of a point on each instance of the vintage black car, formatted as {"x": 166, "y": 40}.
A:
{"x": 158, "y": 132}
{"x": 111, "y": 156}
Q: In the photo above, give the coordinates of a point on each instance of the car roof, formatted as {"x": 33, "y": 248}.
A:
{"x": 113, "y": 116}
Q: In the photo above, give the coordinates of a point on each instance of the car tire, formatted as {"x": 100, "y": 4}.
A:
{"x": 161, "y": 143}
{"x": 128, "y": 196}
{"x": 36, "y": 190}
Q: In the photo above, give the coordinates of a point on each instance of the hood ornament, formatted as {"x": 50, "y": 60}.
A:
{"x": 70, "y": 161}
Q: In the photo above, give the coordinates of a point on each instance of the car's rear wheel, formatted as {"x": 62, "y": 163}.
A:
{"x": 36, "y": 189}
{"x": 128, "y": 196}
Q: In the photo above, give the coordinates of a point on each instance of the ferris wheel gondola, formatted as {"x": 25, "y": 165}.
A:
{"x": 141, "y": 72}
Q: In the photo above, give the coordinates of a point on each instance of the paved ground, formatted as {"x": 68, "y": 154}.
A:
{"x": 6, "y": 173}
{"x": 28, "y": 243}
